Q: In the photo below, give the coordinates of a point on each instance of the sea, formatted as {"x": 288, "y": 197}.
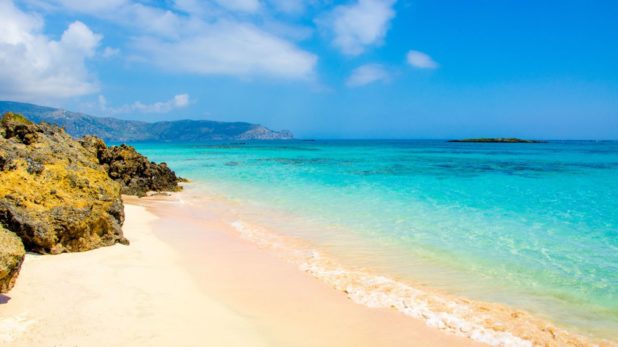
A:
{"x": 440, "y": 231}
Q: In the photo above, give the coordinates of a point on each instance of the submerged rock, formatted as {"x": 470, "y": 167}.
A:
{"x": 54, "y": 194}
{"x": 11, "y": 257}
{"x": 136, "y": 174}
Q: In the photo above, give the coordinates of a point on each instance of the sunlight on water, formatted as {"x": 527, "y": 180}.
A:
{"x": 534, "y": 226}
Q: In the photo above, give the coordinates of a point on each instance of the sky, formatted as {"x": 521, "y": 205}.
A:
{"x": 324, "y": 68}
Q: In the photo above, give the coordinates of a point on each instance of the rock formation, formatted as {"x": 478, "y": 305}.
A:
{"x": 11, "y": 257}
{"x": 136, "y": 174}
{"x": 62, "y": 195}
{"x": 54, "y": 194}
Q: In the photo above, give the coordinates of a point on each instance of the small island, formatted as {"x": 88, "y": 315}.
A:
{"x": 498, "y": 140}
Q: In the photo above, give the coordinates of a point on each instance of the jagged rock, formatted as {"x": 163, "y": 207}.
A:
{"x": 54, "y": 194}
{"x": 136, "y": 174}
{"x": 15, "y": 125}
{"x": 11, "y": 257}
{"x": 61, "y": 195}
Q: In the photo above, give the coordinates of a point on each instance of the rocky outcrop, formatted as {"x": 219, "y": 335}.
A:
{"x": 259, "y": 132}
{"x": 54, "y": 194}
{"x": 62, "y": 195}
{"x": 498, "y": 140}
{"x": 11, "y": 257}
{"x": 135, "y": 173}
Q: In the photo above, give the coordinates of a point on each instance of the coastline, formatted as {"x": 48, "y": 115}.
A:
{"x": 176, "y": 290}
{"x": 478, "y": 321}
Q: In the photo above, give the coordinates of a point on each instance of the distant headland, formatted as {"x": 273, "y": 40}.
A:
{"x": 498, "y": 140}
{"x": 120, "y": 130}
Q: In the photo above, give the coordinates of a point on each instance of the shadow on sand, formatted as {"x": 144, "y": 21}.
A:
{"x": 4, "y": 299}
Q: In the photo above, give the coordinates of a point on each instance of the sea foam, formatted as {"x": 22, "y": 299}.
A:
{"x": 491, "y": 324}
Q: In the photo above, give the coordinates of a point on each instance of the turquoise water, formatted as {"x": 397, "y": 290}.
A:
{"x": 533, "y": 226}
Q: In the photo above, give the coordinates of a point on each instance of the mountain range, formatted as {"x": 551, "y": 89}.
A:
{"x": 119, "y": 130}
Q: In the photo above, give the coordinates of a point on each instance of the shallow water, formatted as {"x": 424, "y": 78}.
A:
{"x": 533, "y": 226}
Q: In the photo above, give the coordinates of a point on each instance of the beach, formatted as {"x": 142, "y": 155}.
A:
{"x": 345, "y": 244}
{"x": 187, "y": 284}
{"x": 308, "y": 173}
{"x": 490, "y": 241}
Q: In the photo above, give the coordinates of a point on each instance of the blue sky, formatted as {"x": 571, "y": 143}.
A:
{"x": 324, "y": 69}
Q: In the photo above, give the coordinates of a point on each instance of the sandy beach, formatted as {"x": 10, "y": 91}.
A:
{"x": 308, "y": 173}
{"x": 185, "y": 282}
{"x": 117, "y": 296}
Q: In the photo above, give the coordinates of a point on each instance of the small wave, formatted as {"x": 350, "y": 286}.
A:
{"x": 491, "y": 324}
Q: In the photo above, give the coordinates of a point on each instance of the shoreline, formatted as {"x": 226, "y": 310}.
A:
{"x": 174, "y": 290}
{"x": 290, "y": 306}
{"x": 484, "y": 322}
{"x": 191, "y": 277}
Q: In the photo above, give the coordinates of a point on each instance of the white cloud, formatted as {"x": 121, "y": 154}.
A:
{"x": 206, "y": 41}
{"x": 181, "y": 100}
{"x": 229, "y": 48}
{"x": 359, "y": 25}
{"x": 154, "y": 20}
{"x": 293, "y": 32}
{"x": 367, "y": 74}
{"x": 34, "y": 67}
{"x": 91, "y": 7}
{"x": 110, "y": 52}
{"x": 178, "y": 101}
{"x": 79, "y": 38}
{"x": 198, "y": 8}
{"x": 421, "y": 60}
{"x": 129, "y": 13}
{"x": 125, "y": 7}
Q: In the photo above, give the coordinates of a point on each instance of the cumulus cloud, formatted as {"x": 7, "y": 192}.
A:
{"x": 35, "y": 67}
{"x": 205, "y": 41}
{"x": 229, "y": 48}
{"x": 367, "y": 74}
{"x": 359, "y": 25}
{"x": 420, "y": 60}
{"x": 129, "y": 13}
{"x": 178, "y": 101}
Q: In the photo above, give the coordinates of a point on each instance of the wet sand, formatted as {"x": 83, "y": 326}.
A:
{"x": 289, "y": 306}
{"x": 185, "y": 283}
{"x": 190, "y": 282}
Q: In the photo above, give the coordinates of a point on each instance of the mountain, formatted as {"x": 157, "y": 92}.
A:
{"x": 119, "y": 130}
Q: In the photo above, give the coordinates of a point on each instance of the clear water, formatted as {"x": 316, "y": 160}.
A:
{"x": 533, "y": 226}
